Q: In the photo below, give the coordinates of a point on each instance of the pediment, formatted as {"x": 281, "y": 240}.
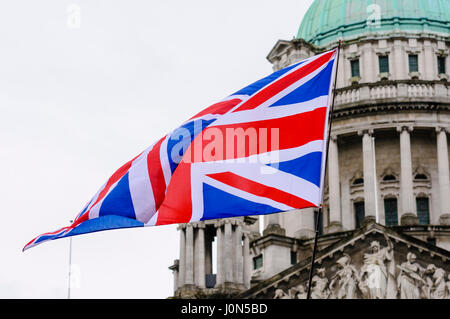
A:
{"x": 280, "y": 46}
{"x": 349, "y": 268}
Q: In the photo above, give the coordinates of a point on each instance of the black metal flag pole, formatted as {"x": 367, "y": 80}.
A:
{"x": 326, "y": 160}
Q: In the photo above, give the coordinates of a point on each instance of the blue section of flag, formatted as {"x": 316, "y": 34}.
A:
{"x": 47, "y": 237}
{"x": 119, "y": 202}
{"x": 307, "y": 167}
{"x": 258, "y": 85}
{"x": 95, "y": 225}
{"x": 181, "y": 138}
{"x": 220, "y": 204}
{"x": 103, "y": 223}
{"x": 317, "y": 86}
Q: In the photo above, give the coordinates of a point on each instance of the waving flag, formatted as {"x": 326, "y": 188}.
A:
{"x": 259, "y": 151}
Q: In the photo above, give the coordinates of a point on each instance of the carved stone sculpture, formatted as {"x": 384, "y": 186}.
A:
{"x": 319, "y": 285}
{"x": 292, "y": 293}
{"x": 439, "y": 290}
{"x": 378, "y": 271}
{"x": 409, "y": 279}
{"x": 429, "y": 281}
{"x": 377, "y": 279}
{"x": 280, "y": 294}
{"x": 301, "y": 292}
{"x": 347, "y": 279}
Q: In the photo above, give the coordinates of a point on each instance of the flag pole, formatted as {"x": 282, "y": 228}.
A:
{"x": 70, "y": 264}
{"x": 326, "y": 161}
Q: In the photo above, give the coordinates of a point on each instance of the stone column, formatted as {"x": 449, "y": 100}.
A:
{"x": 189, "y": 276}
{"x": 182, "y": 262}
{"x": 444, "y": 176}
{"x": 228, "y": 252}
{"x": 238, "y": 269}
{"x": 429, "y": 61}
{"x": 307, "y": 222}
{"x": 399, "y": 64}
{"x": 247, "y": 262}
{"x": 408, "y": 212}
{"x": 200, "y": 256}
{"x": 368, "y": 64}
{"x": 334, "y": 189}
{"x": 369, "y": 177}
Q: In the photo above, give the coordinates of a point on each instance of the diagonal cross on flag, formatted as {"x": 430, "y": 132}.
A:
{"x": 259, "y": 151}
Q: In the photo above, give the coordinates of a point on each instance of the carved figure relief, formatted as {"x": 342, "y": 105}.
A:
{"x": 429, "y": 281}
{"x": 280, "y": 294}
{"x": 378, "y": 271}
{"x": 439, "y": 290}
{"x": 347, "y": 279}
{"x": 409, "y": 279}
{"x": 319, "y": 285}
{"x": 302, "y": 294}
{"x": 379, "y": 278}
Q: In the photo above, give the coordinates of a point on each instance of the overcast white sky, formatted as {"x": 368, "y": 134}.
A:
{"x": 77, "y": 103}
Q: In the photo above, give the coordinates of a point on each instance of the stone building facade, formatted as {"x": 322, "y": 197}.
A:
{"x": 387, "y": 185}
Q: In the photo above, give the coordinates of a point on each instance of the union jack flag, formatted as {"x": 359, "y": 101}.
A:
{"x": 259, "y": 151}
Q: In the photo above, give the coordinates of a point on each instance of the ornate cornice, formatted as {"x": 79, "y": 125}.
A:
{"x": 391, "y": 82}
{"x": 367, "y": 108}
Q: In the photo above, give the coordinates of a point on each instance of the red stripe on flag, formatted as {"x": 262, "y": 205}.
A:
{"x": 156, "y": 174}
{"x": 261, "y": 190}
{"x": 293, "y": 131}
{"x": 177, "y": 205}
{"x": 283, "y": 83}
{"x": 219, "y": 108}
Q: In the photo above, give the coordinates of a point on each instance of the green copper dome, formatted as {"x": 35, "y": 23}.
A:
{"x": 329, "y": 20}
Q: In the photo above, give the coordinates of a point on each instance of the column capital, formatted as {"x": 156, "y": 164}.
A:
{"x": 198, "y": 225}
{"x": 217, "y": 223}
{"x": 334, "y": 137}
{"x": 181, "y": 226}
{"x": 402, "y": 128}
{"x": 365, "y": 131}
{"x": 221, "y": 222}
{"x": 189, "y": 226}
{"x": 444, "y": 129}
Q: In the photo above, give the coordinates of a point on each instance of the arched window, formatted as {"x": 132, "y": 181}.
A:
{"x": 389, "y": 178}
{"x": 391, "y": 211}
{"x": 421, "y": 177}
{"x": 423, "y": 210}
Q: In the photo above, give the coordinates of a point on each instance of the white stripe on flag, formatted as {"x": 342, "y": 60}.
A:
{"x": 165, "y": 161}
{"x": 262, "y": 114}
{"x": 153, "y": 220}
{"x": 141, "y": 189}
